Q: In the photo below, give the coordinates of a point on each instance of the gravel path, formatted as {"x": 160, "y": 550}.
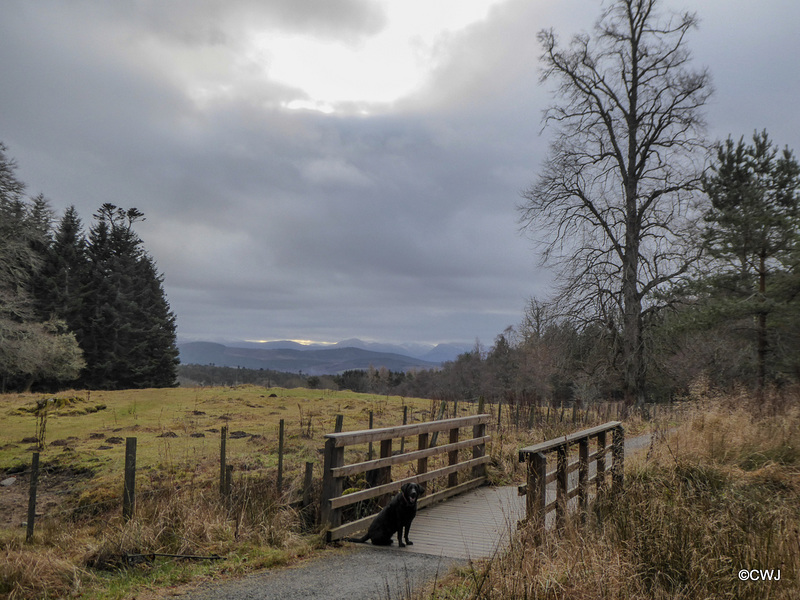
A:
{"x": 345, "y": 574}
{"x": 349, "y": 573}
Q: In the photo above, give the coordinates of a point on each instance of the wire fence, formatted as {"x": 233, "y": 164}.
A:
{"x": 281, "y": 466}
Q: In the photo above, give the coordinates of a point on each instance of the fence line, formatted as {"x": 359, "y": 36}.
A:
{"x": 522, "y": 415}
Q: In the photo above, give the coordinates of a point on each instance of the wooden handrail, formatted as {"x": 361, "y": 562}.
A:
{"x": 351, "y": 438}
{"x": 379, "y": 463}
{"x": 553, "y": 444}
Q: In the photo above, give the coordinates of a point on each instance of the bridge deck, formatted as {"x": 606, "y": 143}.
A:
{"x": 471, "y": 526}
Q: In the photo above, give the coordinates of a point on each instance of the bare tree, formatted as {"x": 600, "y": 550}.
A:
{"x": 614, "y": 198}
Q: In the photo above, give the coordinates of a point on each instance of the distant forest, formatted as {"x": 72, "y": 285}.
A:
{"x": 81, "y": 309}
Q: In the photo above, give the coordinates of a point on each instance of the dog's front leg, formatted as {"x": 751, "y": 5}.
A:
{"x": 408, "y": 541}
{"x": 400, "y": 537}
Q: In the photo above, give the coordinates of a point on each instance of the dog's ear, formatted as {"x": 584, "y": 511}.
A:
{"x": 420, "y": 491}
{"x": 405, "y": 487}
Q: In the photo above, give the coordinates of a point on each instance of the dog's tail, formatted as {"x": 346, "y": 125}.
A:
{"x": 360, "y": 540}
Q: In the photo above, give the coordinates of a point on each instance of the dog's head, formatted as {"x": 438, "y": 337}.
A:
{"x": 411, "y": 491}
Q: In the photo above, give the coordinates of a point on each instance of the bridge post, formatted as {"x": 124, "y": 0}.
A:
{"x": 618, "y": 452}
{"x": 479, "y": 431}
{"x": 422, "y": 463}
{"x": 561, "y": 485}
{"x": 452, "y": 459}
{"x": 583, "y": 477}
{"x": 600, "y": 480}
{"x": 385, "y": 474}
{"x": 536, "y": 497}
{"x": 331, "y": 486}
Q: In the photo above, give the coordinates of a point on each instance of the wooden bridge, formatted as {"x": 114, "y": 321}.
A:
{"x": 476, "y": 521}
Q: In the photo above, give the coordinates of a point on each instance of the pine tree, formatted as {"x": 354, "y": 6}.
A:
{"x": 128, "y": 330}
{"x": 61, "y": 281}
{"x": 31, "y": 348}
{"x": 753, "y": 232}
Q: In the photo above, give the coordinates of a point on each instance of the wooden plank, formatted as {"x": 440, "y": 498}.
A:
{"x": 407, "y": 457}
{"x": 375, "y": 435}
{"x": 396, "y": 485}
{"x": 472, "y": 526}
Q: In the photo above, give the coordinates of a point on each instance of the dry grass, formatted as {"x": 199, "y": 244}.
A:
{"x": 83, "y": 547}
{"x": 720, "y": 495}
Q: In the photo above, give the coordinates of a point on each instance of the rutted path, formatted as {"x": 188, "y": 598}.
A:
{"x": 365, "y": 571}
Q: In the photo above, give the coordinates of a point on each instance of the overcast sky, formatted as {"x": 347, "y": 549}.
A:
{"x": 325, "y": 169}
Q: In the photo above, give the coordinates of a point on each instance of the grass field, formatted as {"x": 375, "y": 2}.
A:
{"x": 79, "y": 424}
{"x": 178, "y": 505}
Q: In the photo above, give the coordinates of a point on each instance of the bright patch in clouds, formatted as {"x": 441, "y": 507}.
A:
{"x": 379, "y": 69}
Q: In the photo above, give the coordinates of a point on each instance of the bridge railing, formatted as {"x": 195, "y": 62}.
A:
{"x": 335, "y": 469}
{"x": 538, "y": 476}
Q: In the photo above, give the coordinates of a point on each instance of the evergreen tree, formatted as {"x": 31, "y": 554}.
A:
{"x": 753, "y": 235}
{"x": 61, "y": 282}
{"x": 127, "y": 329}
{"x": 31, "y": 349}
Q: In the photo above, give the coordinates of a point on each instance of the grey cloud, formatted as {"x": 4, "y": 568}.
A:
{"x": 222, "y": 22}
{"x": 400, "y": 225}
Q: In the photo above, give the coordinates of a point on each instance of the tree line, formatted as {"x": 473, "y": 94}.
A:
{"x": 86, "y": 309}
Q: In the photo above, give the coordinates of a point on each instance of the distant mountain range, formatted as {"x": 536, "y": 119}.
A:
{"x": 319, "y": 359}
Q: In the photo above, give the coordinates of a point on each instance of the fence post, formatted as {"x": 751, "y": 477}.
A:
{"x": 499, "y": 413}
{"x": 618, "y": 452}
{"x": 280, "y": 456}
{"x": 339, "y": 424}
{"x": 405, "y": 422}
{"x": 452, "y": 459}
{"x": 331, "y": 486}
{"x": 561, "y": 486}
{"x": 32, "y": 496}
{"x": 439, "y": 416}
{"x": 129, "y": 486}
{"x": 223, "y": 442}
{"x": 384, "y": 475}
{"x": 371, "y": 423}
{"x": 307, "y": 483}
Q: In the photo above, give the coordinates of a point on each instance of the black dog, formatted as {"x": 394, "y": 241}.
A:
{"x": 395, "y": 517}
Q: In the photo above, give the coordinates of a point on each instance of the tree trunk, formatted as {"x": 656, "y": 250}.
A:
{"x": 761, "y": 333}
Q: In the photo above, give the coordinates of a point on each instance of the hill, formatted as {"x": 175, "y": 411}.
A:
{"x": 314, "y": 361}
